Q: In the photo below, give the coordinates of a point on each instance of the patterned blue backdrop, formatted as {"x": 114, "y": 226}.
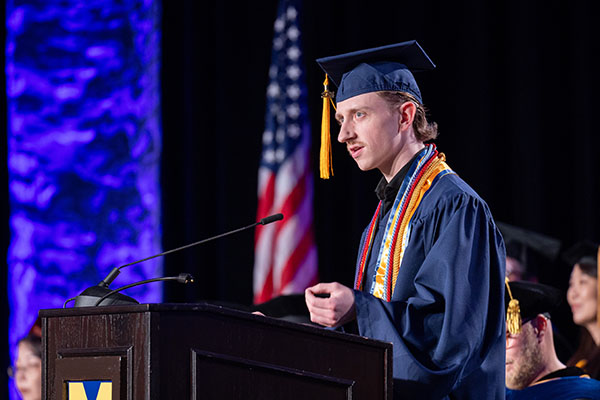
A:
{"x": 84, "y": 142}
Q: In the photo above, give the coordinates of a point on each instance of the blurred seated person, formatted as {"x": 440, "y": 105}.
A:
{"x": 532, "y": 256}
{"x": 515, "y": 271}
{"x": 527, "y": 252}
{"x": 27, "y": 371}
{"x": 583, "y": 299}
{"x": 533, "y": 371}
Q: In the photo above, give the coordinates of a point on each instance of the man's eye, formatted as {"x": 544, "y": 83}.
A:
{"x": 359, "y": 114}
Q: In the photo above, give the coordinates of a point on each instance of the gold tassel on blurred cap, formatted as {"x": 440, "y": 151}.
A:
{"x": 513, "y": 314}
{"x": 325, "y": 167}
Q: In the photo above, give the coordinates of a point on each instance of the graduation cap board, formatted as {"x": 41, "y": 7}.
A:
{"x": 376, "y": 69}
{"x": 528, "y": 247}
{"x": 385, "y": 68}
{"x": 525, "y": 300}
{"x": 544, "y": 245}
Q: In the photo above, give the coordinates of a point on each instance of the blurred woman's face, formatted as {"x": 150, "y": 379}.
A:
{"x": 28, "y": 374}
{"x": 583, "y": 296}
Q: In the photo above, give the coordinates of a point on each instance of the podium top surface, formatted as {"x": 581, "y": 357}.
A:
{"x": 204, "y": 307}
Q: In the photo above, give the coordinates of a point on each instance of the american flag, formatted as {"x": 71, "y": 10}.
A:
{"x": 285, "y": 260}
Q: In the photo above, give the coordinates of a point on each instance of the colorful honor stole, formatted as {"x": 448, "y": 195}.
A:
{"x": 422, "y": 174}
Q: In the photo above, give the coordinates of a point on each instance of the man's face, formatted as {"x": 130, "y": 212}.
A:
{"x": 370, "y": 129}
{"x": 514, "y": 269}
{"x": 523, "y": 358}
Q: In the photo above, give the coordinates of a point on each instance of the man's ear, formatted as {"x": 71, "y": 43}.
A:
{"x": 540, "y": 325}
{"x": 407, "y": 112}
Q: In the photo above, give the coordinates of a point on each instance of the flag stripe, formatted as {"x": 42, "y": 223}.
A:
{"x": 265, "y": 206}
{"x": 292, "y": 233}
{"x": 297, "y": 257}
{"x": 305, "y": 276}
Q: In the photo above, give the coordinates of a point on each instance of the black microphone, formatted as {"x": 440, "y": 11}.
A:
{"x": 271, "y": 218}
{"x": 107, "y": 298}
{"x": 91, "y": 294}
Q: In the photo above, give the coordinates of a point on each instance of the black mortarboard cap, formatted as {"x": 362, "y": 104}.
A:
{"x": 534, "y": 298}
{"x": 525, "y": 300}
{"x": 377, "y": 69}
{"x": 584, "y": 251}
{"x": 517, "y": 240}
{"x": 532, "y": 250}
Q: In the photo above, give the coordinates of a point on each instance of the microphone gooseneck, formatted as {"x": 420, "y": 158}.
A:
{"x": 267, "y": 220}
{"x": 90, "y": 296}
{"x": 181, "y": 278}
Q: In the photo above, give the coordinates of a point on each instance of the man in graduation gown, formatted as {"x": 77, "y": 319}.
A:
{"x": 430, "y": 269}
{"x": 533, "y": 371}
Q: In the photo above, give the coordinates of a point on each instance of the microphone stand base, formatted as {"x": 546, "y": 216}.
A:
{"x": 90, "y": 296}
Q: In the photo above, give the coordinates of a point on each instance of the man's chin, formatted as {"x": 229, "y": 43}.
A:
{"x": 512, "y": 384}
{"x": 364, "y": 166}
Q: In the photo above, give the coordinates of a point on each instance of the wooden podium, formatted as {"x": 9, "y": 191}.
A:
{"x": 203, "y": 351}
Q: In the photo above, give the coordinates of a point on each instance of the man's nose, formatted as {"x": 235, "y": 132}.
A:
{"x": 346, "y": 133}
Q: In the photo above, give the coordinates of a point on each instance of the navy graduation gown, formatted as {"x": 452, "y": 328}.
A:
{"x": 565, "y": 388}
{"x": 446, "y": 316}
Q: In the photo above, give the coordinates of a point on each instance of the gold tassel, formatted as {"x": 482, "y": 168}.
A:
{"x": 513, "y": 314}
{"x": 325, "y": 166}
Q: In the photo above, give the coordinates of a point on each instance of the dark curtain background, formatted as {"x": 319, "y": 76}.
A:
{"x": 514, "y": 95}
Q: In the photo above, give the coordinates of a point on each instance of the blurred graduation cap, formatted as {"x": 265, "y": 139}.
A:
{"x": 529, "y": 248}
{"x": 385, "y": 68}
{"x": 525, "y": 300}
{"x": 585, "y": 251}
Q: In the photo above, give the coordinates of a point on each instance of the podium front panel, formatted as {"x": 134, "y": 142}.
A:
{"x": 180, "y": 350}
{"x": 216, "y": 376}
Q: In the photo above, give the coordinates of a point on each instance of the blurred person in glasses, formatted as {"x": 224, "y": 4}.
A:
{"x": 27, "y": 371}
